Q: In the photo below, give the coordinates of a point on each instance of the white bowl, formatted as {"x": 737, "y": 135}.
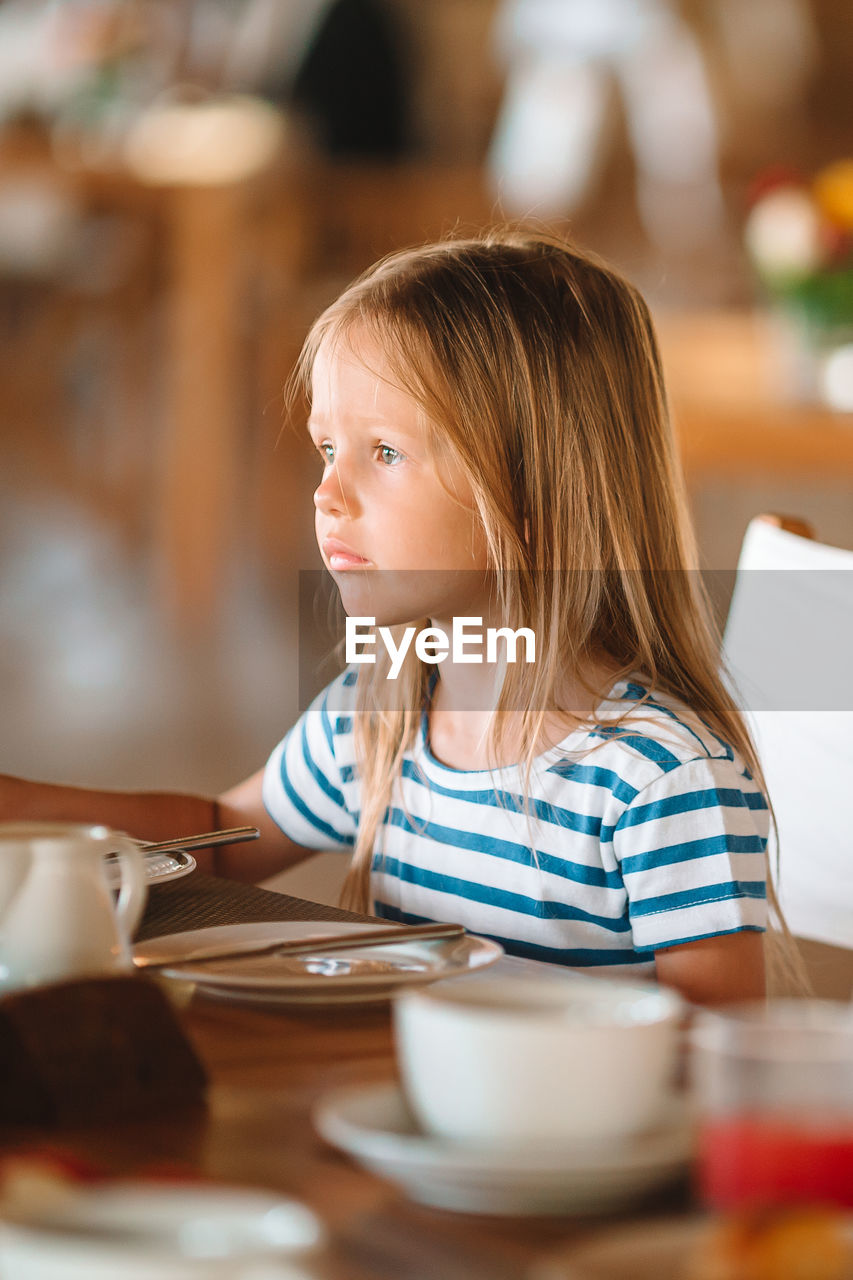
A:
{"x": 527, "y": 1061}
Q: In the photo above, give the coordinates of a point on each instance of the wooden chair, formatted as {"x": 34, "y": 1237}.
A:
{"x": 788, "y": 645}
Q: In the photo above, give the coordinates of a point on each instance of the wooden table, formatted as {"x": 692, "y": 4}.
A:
{"x": 735, "y": 414}
{"x": 267, "y": 1068}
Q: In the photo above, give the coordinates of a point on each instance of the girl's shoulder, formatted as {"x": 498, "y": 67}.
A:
{"x": 645, "y": 733}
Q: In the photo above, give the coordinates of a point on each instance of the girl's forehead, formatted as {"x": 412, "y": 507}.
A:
{"x": 340, "y": 353}
{"x": 354, "y": 372}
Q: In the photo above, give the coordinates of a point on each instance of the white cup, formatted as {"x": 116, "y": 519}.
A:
{"x": 537, "y": 1061}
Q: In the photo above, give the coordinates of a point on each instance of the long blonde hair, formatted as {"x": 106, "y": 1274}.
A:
{"x": 537, "y": 366}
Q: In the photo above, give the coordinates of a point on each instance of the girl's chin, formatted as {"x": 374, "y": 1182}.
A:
{"x": 396, "y": 597}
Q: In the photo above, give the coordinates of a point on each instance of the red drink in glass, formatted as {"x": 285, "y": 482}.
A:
{"x": 775, "y": 1159}
{"x": 774, "y": 1087}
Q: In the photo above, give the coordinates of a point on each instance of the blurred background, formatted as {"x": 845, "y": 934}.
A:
{"x": 185, "y": 183}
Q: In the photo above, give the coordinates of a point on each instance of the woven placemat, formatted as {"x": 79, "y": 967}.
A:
{"x": 199, "y": 901}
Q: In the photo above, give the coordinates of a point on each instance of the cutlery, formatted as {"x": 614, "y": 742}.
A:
{"x": 306, "y": 946}
{"x": 232, "y": 835}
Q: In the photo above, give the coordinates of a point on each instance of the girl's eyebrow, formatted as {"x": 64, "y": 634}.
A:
{"x": 368, "y": 423}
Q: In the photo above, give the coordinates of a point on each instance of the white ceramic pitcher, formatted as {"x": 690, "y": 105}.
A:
{"x": 57, "y": 916}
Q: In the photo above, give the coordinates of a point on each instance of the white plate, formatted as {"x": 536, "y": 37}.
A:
{"x": 373, "y": 1124}
{"x": 158, "y": 867}
{"x": 136, "y": 1230}
{"x": 655, "y": 1250}
{"x": 362, "y": 974}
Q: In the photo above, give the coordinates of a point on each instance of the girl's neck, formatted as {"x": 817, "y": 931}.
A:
{"x": 461, "y": 715}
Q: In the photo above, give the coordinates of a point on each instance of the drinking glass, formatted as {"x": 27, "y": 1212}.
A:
{"x": 774, "y": 1088}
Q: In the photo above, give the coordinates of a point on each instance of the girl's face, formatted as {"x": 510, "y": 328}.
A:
{"x": 385, "y": 502}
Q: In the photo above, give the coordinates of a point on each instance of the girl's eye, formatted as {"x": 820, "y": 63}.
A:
{"x": 326, "y": 452}
{"x": 389, "y": 456}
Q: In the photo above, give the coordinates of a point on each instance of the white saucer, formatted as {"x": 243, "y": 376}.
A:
{"x": 373, "y": 1124}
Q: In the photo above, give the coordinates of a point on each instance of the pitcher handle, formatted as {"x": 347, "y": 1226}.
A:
{"x": 134, "y": 888}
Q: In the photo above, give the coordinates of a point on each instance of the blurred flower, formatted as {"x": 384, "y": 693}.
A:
{"x": 799, "y": 237}
{"x": 783, "y": 233}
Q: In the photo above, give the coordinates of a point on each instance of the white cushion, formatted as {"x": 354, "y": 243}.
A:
{"x": 789, "y": 644}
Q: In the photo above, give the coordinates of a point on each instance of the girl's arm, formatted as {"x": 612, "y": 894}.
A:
{"x": 243, "y": 806}
{"x": 162, "y": 815}
{"x": 714, "y": 970}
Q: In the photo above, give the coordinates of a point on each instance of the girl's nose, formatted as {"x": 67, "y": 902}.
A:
{"x": 329, "y": 494}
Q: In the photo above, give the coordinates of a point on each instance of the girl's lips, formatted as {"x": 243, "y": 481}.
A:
{"x": 340, "y": 556}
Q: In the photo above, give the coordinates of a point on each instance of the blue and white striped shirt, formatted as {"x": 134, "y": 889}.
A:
{"x": 654, "y": 838}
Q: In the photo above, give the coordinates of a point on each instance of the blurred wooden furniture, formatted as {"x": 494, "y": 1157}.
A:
{"x": 75, "y": 361}
{"x": 733, "y": 415}
{"x": 199, "y": 479}
{"x": 205, "y": 255}
{"x": 787, "y": 644}
{"x": 363, "y": 210}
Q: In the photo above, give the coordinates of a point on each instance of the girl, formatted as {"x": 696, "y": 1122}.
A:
{"x": 491, "y": 423}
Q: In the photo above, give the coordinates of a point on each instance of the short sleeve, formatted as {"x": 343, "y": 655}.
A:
{"x": 691, "y": 847}
{"x": 305, "y": 784}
